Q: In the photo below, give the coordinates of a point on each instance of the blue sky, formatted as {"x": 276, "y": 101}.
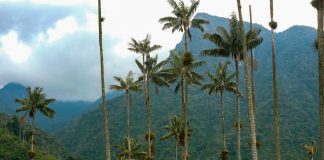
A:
{"x": 54, "y": 43}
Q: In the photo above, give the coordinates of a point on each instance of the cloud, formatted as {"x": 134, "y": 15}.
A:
{"x": 16, "y": 50}
{"x": 29, "y": 19}
{"x": 57, "y": 40}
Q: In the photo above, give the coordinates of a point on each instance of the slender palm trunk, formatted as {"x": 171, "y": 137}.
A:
{"x": 128, "y": 124}
{"x": 238, "y": 112}
{"x": 252, "y": 66}
{"x": 254, "y": 151}
{"x": 186, "y": 148}
{"x": 103, "y": 93}
{"x": 32, "y": 135}
{"x": 149, "y": 119}
{"x": 223, "y": 122}
{"x": 20, "y": 138}
{"x": 186, "y": 42}
{"x": 176, "y": 148}
{"x": 182, "y": 97}
{"x": 321, "y": 74}
{"x": 275, "y": 90}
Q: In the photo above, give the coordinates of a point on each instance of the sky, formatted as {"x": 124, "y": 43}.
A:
{"x": 54, "y": 43}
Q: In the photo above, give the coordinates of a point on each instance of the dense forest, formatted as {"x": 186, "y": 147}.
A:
{"x": 230, "y": 89}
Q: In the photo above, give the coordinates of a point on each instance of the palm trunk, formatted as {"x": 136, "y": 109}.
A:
{"x": 223, "y": 122}
{"x": 321, "y": 74}
{"x": 176, "y": 148}
{"x": 20, "y": 133}
{"x": 238, "y": 112}
{"x": 252, "y": 67}
{"x": 103, "y": 93}
{"x": 186, "y": 149}
{"x": 254, "y": 151}
{"x": 149, "y": 119}
{"x": 182, "y": 97}
{"x": 186, "y": 42}
{"x": 32, "y": 135}
{"x": 128, "y": 124}
{"x": 275, "y": 91}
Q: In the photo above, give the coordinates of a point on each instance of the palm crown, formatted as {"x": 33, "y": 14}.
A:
{"x": 229, "y": 43}
{"x": 220, "y": 81}
{"x": 128, "y": 84}
{"x": 181, "y": 19}
{"x": 182, "y": 68}
{"x": 36, "y": 101}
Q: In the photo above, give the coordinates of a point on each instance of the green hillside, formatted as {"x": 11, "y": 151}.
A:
{"x": 14, "y": 148}
{"x": 298, "y": 102}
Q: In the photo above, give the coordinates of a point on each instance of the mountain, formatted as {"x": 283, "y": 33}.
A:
{"x": 298, "y": 103}
{"x": 65, "y": 111}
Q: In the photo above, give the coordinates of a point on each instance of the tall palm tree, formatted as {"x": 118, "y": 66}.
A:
{"x": 273, "y": 26}
{"x": 318, "y": 4}
{"x": 102, "y": 77}
{"x": 128, "y": 85}
{"x": 36, "y": 101}
{"x": 219, "y": 83}
{"x": 181, "y": 19}
{"x": 153, "y": 73}
{"x": 144, "y": 47}
{"x": 135, "y": 151}
{"x": 229, "y": 45}
{"x": 174, "y": 129}
{"x": 182, "y": 70}
{"x": 248, "y": 86}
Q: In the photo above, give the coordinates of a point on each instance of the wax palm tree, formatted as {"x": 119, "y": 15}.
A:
{"x": 273, "y": 26}
{"x": 135, "y": 152}
{"x": 251, "y": 115}
{"x": 102, "y": 78}
{"x": 173, "y": 129}
{"x": 220, "y": 82}
{"x": 144, "y": 47}
{"x": 318, "y": 4}
{"x": 36, "y": 101}
{"x": 229, "y": 45}
{"x": 152, "y": 69}
{"x": 182, "y": 70}
{"x": 181, "y": 19}
{"x": 128, "y": 85}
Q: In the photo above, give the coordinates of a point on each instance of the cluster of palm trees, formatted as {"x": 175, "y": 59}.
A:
{"x": 181, "y": 70}
{"x": 181, "y": 67}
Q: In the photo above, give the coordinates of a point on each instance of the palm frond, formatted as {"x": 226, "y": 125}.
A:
{"x": 198, "y": 23}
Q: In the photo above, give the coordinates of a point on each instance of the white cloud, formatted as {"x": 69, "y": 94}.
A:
{"x": 63, "y": 27}
{"x": 65, "y": 2}
{"x": 15, "y": 49}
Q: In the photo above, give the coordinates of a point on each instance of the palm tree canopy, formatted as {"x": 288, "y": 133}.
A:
{"x": 144, "y": 46}
{"x": 181, "y": 19}
{"x": 153, "y": 70}
{"x": 182, "y": 67}
{"x": 173, "y": 128}
{"x": 36, "y": 101}
{"x": 229, "y": 43}
{"x": 128, "y": 84}
{"x": 135, "y": 149}
{"x": 220, "y": 81}
{"x": 315, "y": 3}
